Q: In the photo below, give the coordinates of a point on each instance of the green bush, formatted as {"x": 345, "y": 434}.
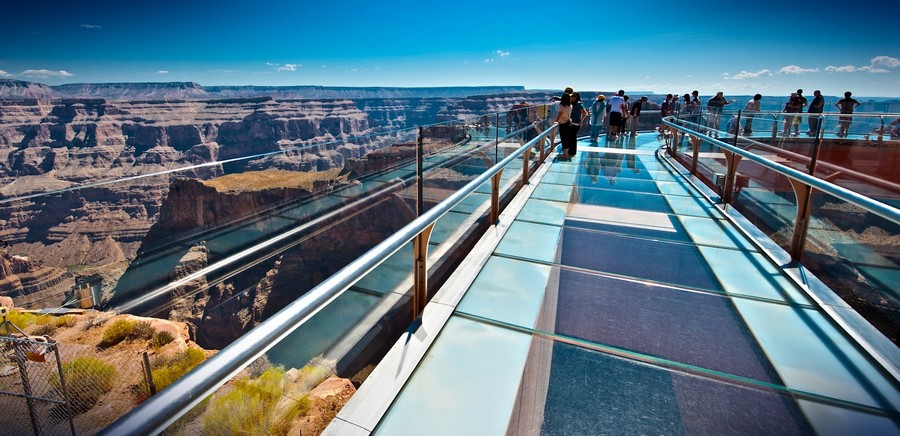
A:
{"x": 20, "y": 319}
{"x": 263, "y": 405}
{"x": 166, "y": 371}
{"x": 160, "y": 339}
{"x": 126, "y": 330}
{"x": 86, "y": 379}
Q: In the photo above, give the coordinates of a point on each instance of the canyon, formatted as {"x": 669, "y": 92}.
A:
{"x": 100, "y": 186}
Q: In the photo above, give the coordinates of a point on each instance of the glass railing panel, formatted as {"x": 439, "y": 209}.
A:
{"x": 856, "y": 254}
{"x": 767, "y": 199}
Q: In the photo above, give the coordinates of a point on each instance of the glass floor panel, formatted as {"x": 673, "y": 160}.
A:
{"x": 656, "y": 225}
{"x": 481, "y": 378}
{"x": 586, "y": 180}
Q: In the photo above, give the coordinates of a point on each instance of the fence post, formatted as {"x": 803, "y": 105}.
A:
{"x": 148, "y": 373}
{"x": 65, "y": 391}
{"x": 26, "y": 386}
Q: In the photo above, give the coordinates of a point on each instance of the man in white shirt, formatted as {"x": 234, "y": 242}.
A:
{"x": 617, "y": 109}
{"x": 751, "y": 108}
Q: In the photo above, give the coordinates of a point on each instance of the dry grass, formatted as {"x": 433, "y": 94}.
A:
{"x": 272, "y": 179}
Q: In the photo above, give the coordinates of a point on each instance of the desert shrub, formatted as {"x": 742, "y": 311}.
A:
{"x": 21, "y": 319}
{"x": 86, "y": 379}
{"x": 311, "y": 375}
{"x": 166, "y": 371}
{"x": 66, "y": 321}
{"x": 259, "y": 366}
{"x": 263, "y": 405}
{"x": 96, "y": 320}
{"x": 44, "y": 330}
{"x": 161, "y": 339}
{"x": 43, "y": 320}
{"x": 126, "y": 330}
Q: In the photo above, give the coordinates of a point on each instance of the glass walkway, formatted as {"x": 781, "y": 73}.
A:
{"x": 613, "y": 297}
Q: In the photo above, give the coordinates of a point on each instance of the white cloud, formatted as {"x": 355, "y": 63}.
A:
{"x": 4, "y": 74}
{"x": 746, "y": 75}
{"x": 502, "y": 53}
{"x": 843, "y": 69}
{"x": 488, "y": 60}
{"x": 226, "y": 71}
{"x": 878, "y": 64}
{"x": 91, "y": 26}
{"x": 46, "y": 74}
{"x": 794, "y": 69}
{"x": 885, "y": 61}
{"x": 285, "y": 67}
{"x": 162, "y": 72}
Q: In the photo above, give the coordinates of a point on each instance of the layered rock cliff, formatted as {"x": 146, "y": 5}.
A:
{"x": 82, "y": 180}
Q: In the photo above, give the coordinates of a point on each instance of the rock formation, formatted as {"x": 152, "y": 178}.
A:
{"x": 123, "y": 156}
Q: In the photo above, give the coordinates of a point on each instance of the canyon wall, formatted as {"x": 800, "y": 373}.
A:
{"x": 83, "y": 180}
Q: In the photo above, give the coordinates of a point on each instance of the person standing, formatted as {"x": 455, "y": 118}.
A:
{"x": 751, "y": 109}
{"x": 564, "y": 121}
{"x": 578, "y": 115}
{"x": 598, "y": 114}
{"x": 846, "y": 105}
{"x": 816, "y": 107}
{"x": 799, "y": 119}
{"x": 793, "y": 106}
{"x": 714, "y": 106}
{"x": 636, "y": 114}
{"x": 617, "y": 111}
{"x": 665, "y": 110}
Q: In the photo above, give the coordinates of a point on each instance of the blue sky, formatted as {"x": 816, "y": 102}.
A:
{"x": 660, "y": 46}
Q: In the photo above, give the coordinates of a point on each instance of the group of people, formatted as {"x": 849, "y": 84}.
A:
{"x": 616, "y": 112}
{"x": 689, "y": 108}
{"x": 572, "y": 115}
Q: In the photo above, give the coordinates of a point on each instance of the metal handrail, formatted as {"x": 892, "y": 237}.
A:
{"x": 881, "y": 209}
{"x": 161, "y": 410}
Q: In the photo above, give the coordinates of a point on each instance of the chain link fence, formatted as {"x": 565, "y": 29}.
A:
{"x": 62, "y": 388}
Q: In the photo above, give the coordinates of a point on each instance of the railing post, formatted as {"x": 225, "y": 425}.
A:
{"x": 695, "y": 140}
{"x": 526, "y": 163}
{"x": 497, "y": 139}
{"x": 543, "y": 143}
{"x": 798, "y": 240}
{"x": 881, "y": 131}
{"x": 420, "y": 270}
{"x": 673, "y": 149}
{"x": 495, "y": 197}
{"x": 420, "y": 174}
{"x": 732, "y": 160}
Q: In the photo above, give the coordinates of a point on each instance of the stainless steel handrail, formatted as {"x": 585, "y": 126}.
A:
{"x": 881, "y": 209}
{"x": 164, "y": 408}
